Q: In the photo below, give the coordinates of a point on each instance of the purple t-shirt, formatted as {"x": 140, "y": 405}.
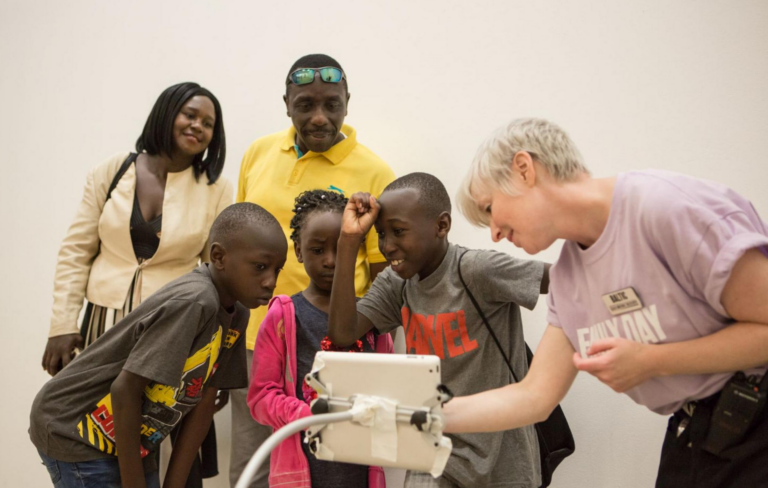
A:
{"x": 656, "y": 273}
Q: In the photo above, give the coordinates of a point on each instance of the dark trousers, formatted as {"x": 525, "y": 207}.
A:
{"x": 685, "y": 464}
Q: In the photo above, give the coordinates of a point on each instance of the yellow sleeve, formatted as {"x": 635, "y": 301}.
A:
{"x": 380, "y": 181}
{"x": 242, "y": 185}
{"x": 225, "y": 200}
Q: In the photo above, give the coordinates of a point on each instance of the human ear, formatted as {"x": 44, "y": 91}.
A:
{"x": 443, "y": 224}
{"x": 287, "y": 107}
{"x": 297, "y": 250}
{"x": 346, "y": 106}
{"x": 218, "y": 256}
{"x": 522, "y": 165}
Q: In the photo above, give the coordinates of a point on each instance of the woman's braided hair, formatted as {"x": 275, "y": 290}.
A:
{"x": 314, "y": 201}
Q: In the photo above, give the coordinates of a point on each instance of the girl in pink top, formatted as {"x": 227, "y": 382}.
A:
{"x": 294, "y": 329}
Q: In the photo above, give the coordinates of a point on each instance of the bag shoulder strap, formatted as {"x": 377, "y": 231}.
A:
{"x": 120, "y": 172}
{"x": 485, "y": 320}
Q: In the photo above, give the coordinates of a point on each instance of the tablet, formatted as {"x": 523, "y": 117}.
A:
{"x": 412, "y": 382}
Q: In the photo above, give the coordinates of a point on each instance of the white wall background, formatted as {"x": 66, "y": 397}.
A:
{"x": 679, "y": 85}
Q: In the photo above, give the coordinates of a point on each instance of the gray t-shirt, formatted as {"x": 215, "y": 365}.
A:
{"x": 439, "y": 318}
{"x": 179, "y": 337}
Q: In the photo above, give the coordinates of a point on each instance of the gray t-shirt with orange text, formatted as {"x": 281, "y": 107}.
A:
{"x": 439, "y": 318}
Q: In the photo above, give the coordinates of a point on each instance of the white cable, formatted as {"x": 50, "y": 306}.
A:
{"x": 275, "y": 439}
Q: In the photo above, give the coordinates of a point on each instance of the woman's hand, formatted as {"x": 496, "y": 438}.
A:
{"x": 359, "y": 215}
{"x": 619, "y": 363}
{"x": 59, "y": 351}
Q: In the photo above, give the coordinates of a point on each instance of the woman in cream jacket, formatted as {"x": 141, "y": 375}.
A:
{"x": 151, "y": 229}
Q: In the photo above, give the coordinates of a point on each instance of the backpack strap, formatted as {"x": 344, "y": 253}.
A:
{"x": 120, "y": 172}
{"x": 115, "y": 180}
{"x": 485, "y": 321}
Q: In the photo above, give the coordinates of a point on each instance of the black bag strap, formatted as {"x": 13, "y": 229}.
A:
{"x": 120, "y": 172}
{"x": 85, "y": 326}
{"x": 554, "y": 435}
{"x": 485, "y": 320}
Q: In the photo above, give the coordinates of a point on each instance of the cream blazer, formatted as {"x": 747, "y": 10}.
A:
{"x": 189, "y": 208}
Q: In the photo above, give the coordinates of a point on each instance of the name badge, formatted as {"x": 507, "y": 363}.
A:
{"x": 622, "y": 301}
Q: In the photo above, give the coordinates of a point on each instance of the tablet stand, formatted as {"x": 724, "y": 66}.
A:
{"x": 399, "y": 427}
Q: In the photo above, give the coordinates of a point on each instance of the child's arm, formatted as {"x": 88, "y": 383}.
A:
{"x": 193, "y": 430}
{"x": 225, "y": 200}
{"x": 267, "y": 400}
{"x": 345, "y": 324}
{"x": 127, "y": 391}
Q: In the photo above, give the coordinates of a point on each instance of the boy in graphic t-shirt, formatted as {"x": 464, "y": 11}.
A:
{"x": 660, "y": 292}
{"x": 97, "y": 422}
{"x": 422, "y": 291}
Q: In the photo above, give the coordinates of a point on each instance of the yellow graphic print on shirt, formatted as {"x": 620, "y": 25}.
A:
{"x": 163, "y": 406}
{"x": 232, "y": 336}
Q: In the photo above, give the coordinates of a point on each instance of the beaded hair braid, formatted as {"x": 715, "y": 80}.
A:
{"x": 314, "y": 201}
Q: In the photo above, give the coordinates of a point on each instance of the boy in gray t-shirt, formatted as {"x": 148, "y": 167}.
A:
{"x": 97, "y": 421}
{"x": 421, "y": 291}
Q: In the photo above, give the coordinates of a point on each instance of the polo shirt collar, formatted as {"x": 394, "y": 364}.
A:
{"x": 335, "y": 154}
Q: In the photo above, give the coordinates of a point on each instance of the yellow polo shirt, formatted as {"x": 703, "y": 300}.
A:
{"x": 272, "y": 176}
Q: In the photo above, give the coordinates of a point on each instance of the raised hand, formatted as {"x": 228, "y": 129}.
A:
{"x": 359, "y": 215}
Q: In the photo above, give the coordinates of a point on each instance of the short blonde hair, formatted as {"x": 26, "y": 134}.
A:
{"x": 491, "y": 169}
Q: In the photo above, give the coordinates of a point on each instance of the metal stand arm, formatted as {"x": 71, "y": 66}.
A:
{"x": 275, "y": 439}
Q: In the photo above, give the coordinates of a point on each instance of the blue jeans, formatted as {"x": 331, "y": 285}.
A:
{"x": 99, "y": 473}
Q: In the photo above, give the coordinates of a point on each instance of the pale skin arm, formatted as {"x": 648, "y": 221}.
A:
{"x": 528, "y": 402}
{"x": 625, "y": 364}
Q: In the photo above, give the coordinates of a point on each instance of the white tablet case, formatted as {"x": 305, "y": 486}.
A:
{"x": 412, "y": 381}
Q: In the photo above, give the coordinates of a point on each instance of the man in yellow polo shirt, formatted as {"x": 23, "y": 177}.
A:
{"x": 318, "y": 151}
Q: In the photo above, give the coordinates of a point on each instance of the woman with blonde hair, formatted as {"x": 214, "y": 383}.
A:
{"x": 659, "y": 292}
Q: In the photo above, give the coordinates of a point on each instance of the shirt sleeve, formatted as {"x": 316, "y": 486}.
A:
{"x": 701, "y": 244}
{"x": 499, "y": 277}
{"x": 232, "y": 367}
{"x": 225, "y": 200}
{"x": 242, "y": 184}
{"x": 79, "y": 248}
{"x": 267, "y": 399}
{"x": 552, "y": 317}
{"x": 164, "y": 340}
{"x": 383, "y": 303}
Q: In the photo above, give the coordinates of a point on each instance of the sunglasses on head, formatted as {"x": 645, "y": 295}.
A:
{"x": 305, "y": 76}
